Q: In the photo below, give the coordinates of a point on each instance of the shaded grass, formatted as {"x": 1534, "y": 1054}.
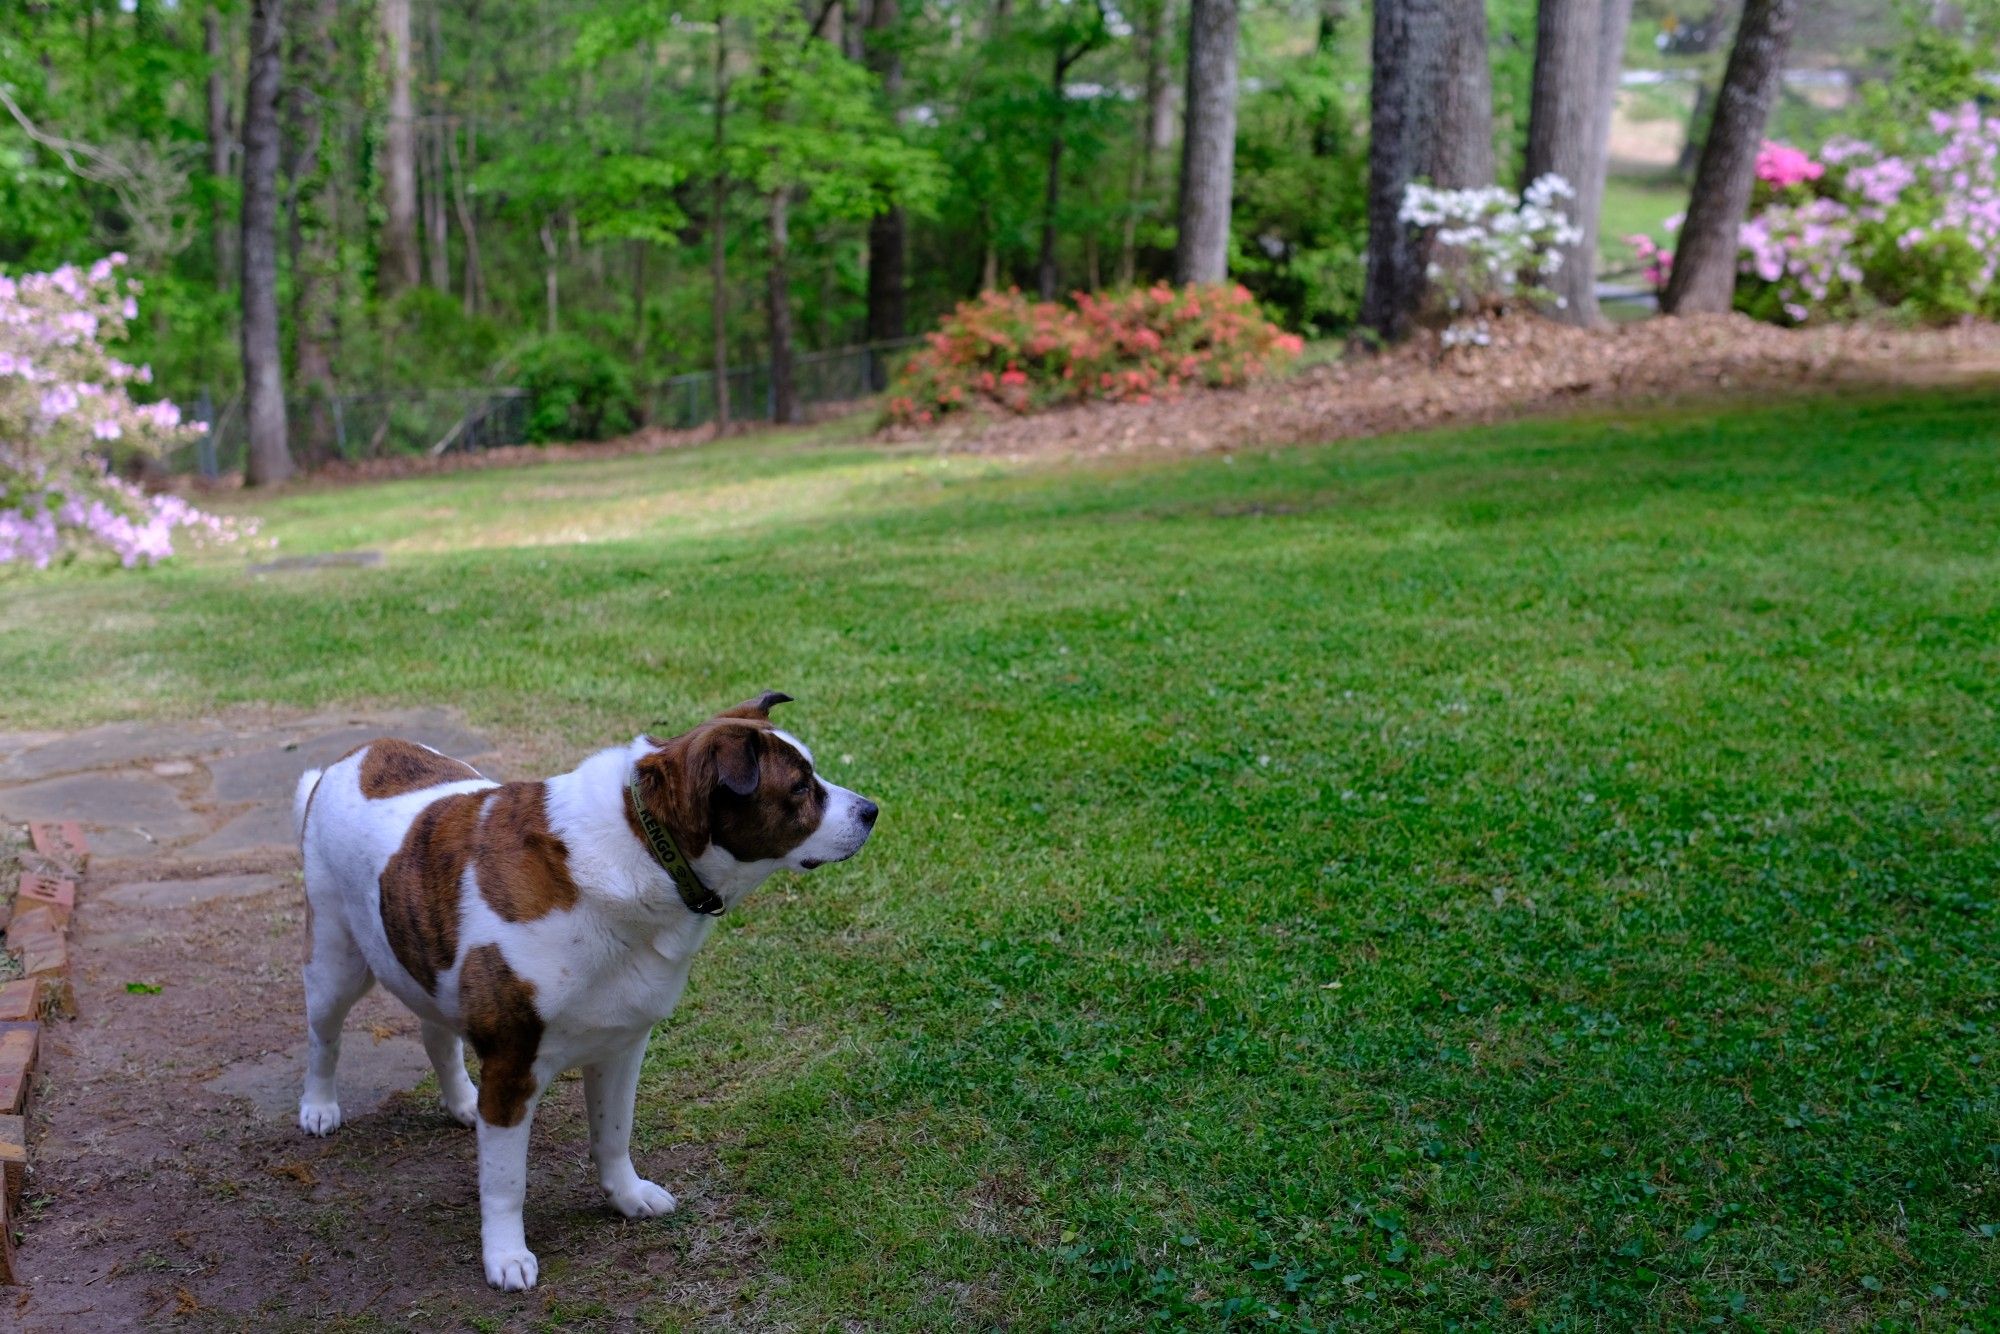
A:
{"x": 1531, "y": 877}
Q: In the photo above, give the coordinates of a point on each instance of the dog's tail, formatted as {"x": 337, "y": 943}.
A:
{"x": 302, "y": 801}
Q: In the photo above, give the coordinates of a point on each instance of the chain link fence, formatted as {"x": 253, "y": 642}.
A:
{"x": 437, "y": 421}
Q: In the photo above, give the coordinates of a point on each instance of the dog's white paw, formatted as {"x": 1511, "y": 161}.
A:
{"x": 319, "y": 1118}
{"x": 511, "y": 1271}
{"x": 644, "y": 1200}
{"x": 466, "y": 1113}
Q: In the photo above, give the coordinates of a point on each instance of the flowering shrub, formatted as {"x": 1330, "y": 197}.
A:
{"x": 1491, "y": 247}
{"x": 64, "y": 408}
{"x": 1656, "y": 259}
{"x": 1004, "y": 350}
{"x": 1866, "y": 228}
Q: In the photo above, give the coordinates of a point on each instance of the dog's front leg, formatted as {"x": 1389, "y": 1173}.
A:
{"x": 610, "y": 1088}
{"x": 503, "y": 1192}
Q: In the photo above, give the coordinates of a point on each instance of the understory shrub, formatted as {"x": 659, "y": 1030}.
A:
{"x": 576, "y": 390}
{"x": 1490, "y": 249}
{"x": 1863, "y": 228}
{"x": 1003, "y": 350}
{"x": 66, "y": 417}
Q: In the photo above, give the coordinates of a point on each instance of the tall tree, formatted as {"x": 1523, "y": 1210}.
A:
{"x": 221, "y": 146}
{"x": 718, "y": 232}
{"x": 1462, "y": 152}
{"x": 270, "y": 459}
{"x": 1208, "y": 145}
{"x": 1562, "y": 109}
{"x": 1704, "y": 275}
{"x": 400, "y": 261}
{"x": 1075, "y": 34}
{"x": 1153, "y": 45}
{"x": 888, "y": 230}
{"x": 310, "y": 218}
{"x": 1408, "y": 49}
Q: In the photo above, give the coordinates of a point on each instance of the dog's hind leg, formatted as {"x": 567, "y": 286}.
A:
{"x": 336, "y": 976}
{"x": 447, "y": 1052}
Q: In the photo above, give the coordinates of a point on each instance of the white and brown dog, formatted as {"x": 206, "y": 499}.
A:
{"x": 550, "y": 923}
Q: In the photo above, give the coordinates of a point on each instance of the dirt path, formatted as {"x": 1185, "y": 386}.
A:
{"x": 169, "y": 1185}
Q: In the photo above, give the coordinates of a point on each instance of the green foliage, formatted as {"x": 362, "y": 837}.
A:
{"x": 1538, "y": 876}
{"x": 576, "y": 390}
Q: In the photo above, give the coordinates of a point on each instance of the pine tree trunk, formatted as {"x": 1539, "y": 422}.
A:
{"x": 475, "y": 279}
{"x": 400, "y": 265}
{"x": 221, "y": 146}
{"x": 1614, "y": 17}
{"x": 270, "y": 459}
{"x": 309, "y": 224}
{"x": 718, "y": 214}
{"x": 1462, "y": 154}
{"x": 437, "y": 223}
{"x": 1208, "y": 145}
{"x": 1704, "y": 275}
{"x": 1046, "y": 277}
{"x": 1141, "y": 180}
{"x": 1561, "y": 111}
{"x": 778, "y": 310}
{"x": 551, "y": 279}
{"x": 1408, "y": 58}
{"x": 888, "y": 231}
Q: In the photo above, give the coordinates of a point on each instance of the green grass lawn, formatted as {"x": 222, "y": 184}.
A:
{"x": 1533, "y": 877}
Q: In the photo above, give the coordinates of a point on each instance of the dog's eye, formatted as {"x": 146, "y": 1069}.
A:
{"x": 803, "y": 786}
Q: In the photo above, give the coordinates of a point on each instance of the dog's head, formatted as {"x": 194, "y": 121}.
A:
{"x": 738, "y": 784}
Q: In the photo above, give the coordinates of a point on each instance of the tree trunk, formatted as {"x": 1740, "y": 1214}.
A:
{"x": 270, "y": 459}
{"x": 1208, "y": 145}
{"x": 1614, "y": 17}
{"x": 475, "y": 278}
{"x": 778, "y": 310}
{"x": 1561, "y": 112}
{"x": 1045, "y": 264}
{"x": 1141, "y": 181}
{"x": 221, "y": 147}
{"x": 551, "y": 291}
{"x": 718, "y": 255}
{"x": 888, "y": 231}
{"x": 1408, "y": 51}
{"x": 437, "y": 224}
{"x": 400, "y": 261}
{"x": 1462, "y": 154}
{"x": 1704, "y": 276}
{"x": 309, "y": 224}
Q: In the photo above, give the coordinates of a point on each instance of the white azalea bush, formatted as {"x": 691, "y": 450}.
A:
{"x": 1491, "y": 248}
{"x": 64, "y": 408}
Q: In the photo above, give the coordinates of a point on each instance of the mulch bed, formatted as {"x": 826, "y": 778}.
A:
{"x": 1531, "y": 365}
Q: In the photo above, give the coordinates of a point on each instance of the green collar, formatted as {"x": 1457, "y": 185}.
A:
{"x": 698, "y": 897}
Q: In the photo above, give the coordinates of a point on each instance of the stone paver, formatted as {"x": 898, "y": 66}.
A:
{"x": 115, "y": 744}
{"x": 168, "y": 894}
{"x": 371, "y": 1069}
{"x": 266, "y": 828}
{"x": 111, "y": 801}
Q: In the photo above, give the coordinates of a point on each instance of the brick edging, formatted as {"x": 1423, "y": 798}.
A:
{"x": 37, "y": 932}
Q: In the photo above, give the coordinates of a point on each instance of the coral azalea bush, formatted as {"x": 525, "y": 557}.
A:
{"x": 1006, "y": 351}
{"x": 64, "y": 408}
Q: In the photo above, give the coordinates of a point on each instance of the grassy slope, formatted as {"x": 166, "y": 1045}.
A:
{"x": 1542, "y": 875}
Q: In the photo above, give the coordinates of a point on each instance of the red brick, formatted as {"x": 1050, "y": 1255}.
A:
{"x": 9, "y": 1275}
{"x": 21, "y": 999}
{"x": 49, "y": 963}
{"x": 17, "y": 1065}
{"x": 60, "y": 841}
{"x": 58, "y": 895}
{"x": 34, "y": 924}
{"x": 13, "y": 1157}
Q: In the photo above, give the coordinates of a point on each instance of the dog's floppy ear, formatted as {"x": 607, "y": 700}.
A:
{"x": 738, "y": 756}
{"x": 674, "y": 782}
{"x": 758, "y": 708}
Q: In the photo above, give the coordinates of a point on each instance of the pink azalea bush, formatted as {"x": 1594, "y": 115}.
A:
{"x": 1002, "y": 350}
{"x": 1863, "y": 228}
{"x": 64, "y": 408}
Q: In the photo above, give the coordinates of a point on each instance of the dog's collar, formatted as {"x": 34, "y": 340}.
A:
{"x": 698, "y": 897}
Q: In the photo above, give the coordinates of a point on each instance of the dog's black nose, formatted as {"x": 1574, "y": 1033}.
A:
{"x": 867, "y": 812}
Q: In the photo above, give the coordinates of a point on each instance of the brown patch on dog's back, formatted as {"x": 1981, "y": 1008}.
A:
{"x": 523, "y": 868}
{"x": 497, "y": 1007}
{"x": 420, "y": 885}
{"x": 393, "y": 766}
